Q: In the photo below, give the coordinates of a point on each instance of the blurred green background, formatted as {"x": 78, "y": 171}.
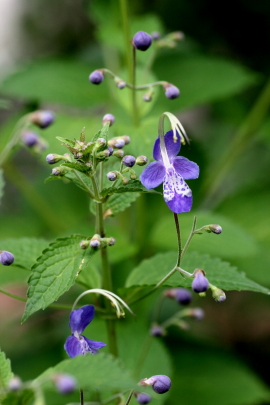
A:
{"x": 222, "y": 70}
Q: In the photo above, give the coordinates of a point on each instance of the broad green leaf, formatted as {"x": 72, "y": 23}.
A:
{"x": 19, "y": 398}
{"x": 201, "y": 78}
{"x": 5, "y": 372}
{"x": 219, "y": 273}
{"x": 25, "y": 250}
{"x": 2, "y": 184}
{"x": 78, "y": 166}
{"x": 63, "y": 81}
{"x": 55, "y": 272}
{"x": 232, "y": 242}
{"x": 212, "y": 376}
{"x": 101, "y": 371}
{"x": 132, "y": 186}
{"x": 118, "y": 203}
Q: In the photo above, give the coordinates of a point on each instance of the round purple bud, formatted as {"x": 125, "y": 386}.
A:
{"x": 112, "y": 176}
{"x": 155, "y": 35}
{"x": 197, "y": 313}
{"x": 183, "y": 296}
{"x": 119, "y": 143}
{"x": 157, "y": 331}
{"x": 65, "y": 383}
{"x": 142, "y": 41}
{"x": 200, "y": 283}
{"x": 30, "y": 138}
{"x": 6, "y": 258}
{"x": 161, "y": 383}
{"x": 108, "y": 118}
{"x": 42, "y": 118}
{"x": 96, "y": 77}
{"x": 110, "y": 149}
{"x": 172, "y": 92}
{"x": 53, "y": 158}
{"x": 15, "y": 384}
{"x": 143, "y": 398}
{"x": 129, "y": 160}
{"x": 121, "y": 84}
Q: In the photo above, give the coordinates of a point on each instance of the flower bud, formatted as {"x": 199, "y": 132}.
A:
{"x": 157, "y": 331}
{"x": 96, "y": 77}
{"x": 59, "y": 171}
{"x": 215, "y": 228}
{"x": 65, "y": 383}
{"x": 53, "y": 158}
{"x": 100, "y": 143}
{"x": 197, "y": 313}
{"x": 94, "y": 243}
{"x": 15, "y": 384}
{"x": 142, "y": 398}
{"x": 181, "y": 295}
{"x": 125, "y": 180}
{"x": 119, "y": 153}
{"x": 126, "y": 139}
{"x": 30, "y": 138}
{"x": 141, "y": 160}
{"x": 147, "y": 97}
{"x": 218, "y": 294}
{"x": 111, "y": 241}
{"x": 121, "y": 84}
{"x": 129, "y": 161}
{"x": 159, "y": 383}
{"x": 112, "y": 176}
{"x": 110, "y": 149}
{"x": 103, "y": 154}
{"x": 133, "y": 176}
{"x": 200, "y": 283}
{"x": 6, "y": 258}
{"x": 108, "y": 118}
{"x": 42, "y": 119}
{"x": 84, "y": 244}
{"x": 142, "y": 41}
{"x": 119, "y": 143}
{"x": 177, "y": 35}
{"x": 171, "y": 91}
{"x": 155, "y": 35}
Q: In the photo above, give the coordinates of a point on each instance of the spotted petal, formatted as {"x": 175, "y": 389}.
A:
{"x": 80, "y": 318}
{"x": 153, "y": 175}
{"x": 177, "y": 194}
{"x": 186, "y": 168}
{"x": 172, "y": 147}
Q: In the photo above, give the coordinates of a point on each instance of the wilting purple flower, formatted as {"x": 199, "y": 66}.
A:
{"x": 77, "y": 343}
{"x": 6, "y": 258}
{"x": 171, "y": 170}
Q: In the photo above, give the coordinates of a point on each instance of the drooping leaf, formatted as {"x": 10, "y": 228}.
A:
{"x": 55, "y": 272}
{"x": 232, "y": 242}
{"x": 78, "y": 178}
{"x": 101, "y": 371}
{"x": 219, "y": 273}
{"x": 2, "y": 184}
{"x": 133, "y": 186}
{"x": 118, "y": 203}
{"x": 5, "y": 373}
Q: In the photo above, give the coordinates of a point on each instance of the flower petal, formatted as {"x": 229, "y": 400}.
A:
{"x": 73, "y": 346}
{"x": 153, "y": 175}
{"x": 177, "y": 194}
{"x": 93, "y": 345}
{"x": 186, "y": 168}
{"x": 80, "y": 318}
{"x": 173, "y": 148}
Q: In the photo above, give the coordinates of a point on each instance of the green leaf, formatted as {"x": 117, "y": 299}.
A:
{"x": 66, "y": 141}
{"x": 19, "y": 398}
{"x": 102, "y": 133}
{"x": 219, "y": 273}
{"x": 199, "y": 78}
{"x": 2, "y": 184}
{"x": 118, "y": 203}
{"x": 25, "y": 250}
{"x": 80, "y": 179}
{"x": 78, "y": 166}
{"x": 212, "y": 376}
{"x": 232, "y": 242}
{"x": 98, "y": 372}
{"x": 133, "y": 186}
{"x": 55, "y": 272}
{"x": 5, "y": 372}
{"x": 90, "y": 278}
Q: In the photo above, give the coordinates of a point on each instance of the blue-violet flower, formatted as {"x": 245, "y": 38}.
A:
{"x": 77, "y": 343}
{"x": 172, "y": 170}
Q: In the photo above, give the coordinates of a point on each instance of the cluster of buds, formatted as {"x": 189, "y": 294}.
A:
{"x": 96, "y": 242}
{"x": 6, "y": 258}
{"x": 129, "y": 161}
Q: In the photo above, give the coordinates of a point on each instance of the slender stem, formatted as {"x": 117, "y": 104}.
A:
{"x": 129, "y": 397}
{"x": 126, "y": 29}
{"x": 190, "y": 236}
{"x": 246, "y": 131}
{"x": 81, "y": 397}
{"x": 134, "y": 101}
{"x": 21, "y": 125}
{"x": 142, "y": 357}
{"x": 141, "y": 87}
{"x": 178, "y": 239}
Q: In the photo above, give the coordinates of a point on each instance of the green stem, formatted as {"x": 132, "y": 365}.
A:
{"x": 178, "y": 239}
{"x": 81, "y": 397}
{"x": 127, "y": 36}
{"x": 129, "y": 397}
{"x": 190, "y": 236}
{"x": 246, "y": 131}
{"x": 134, "y": 100}
{"x": 141, "y": 359}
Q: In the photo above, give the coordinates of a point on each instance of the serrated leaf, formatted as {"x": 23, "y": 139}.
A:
{"x": 80, "y": 179}
{"x": 19, "y": 398}
{"x": 66, "y": 141}
{"x": 80, "y": 167}
{"x": 101, "y": 371}
{"x": 118, "y": 203}
{"x": 25, "y": 250}
{"x": 55, "y": 272}
{"x": 2, "y": 184}
{"x": 219, "y": 273}
{"x": 133, "y": 186}
{"x": 5, "y": 372}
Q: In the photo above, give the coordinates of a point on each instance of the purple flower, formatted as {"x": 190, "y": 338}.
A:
{"x": 30, "y": 138}
{"x": 171, "y": 170}
{"x": 42, "y": 118}
{"x": 200, "y": 283}
{"x": 65, "y": 383}
{"x": 77, "y": 343}
{"x": 129, "y": 160}
{"x": 96, "y": 77}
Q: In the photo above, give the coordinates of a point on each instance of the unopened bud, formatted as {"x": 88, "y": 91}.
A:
{"x": 120, "y": 84}
{"x": 133, "y": 176}
{"x": 53, "y": 158}
{"x": 42, "y": 119}
{"x": 157, "y": 331}
{"x": 197, "y": 313}
{"x": 30, "y": 138}
{"x": 147, "y": 97}
{"x": 15, "y": 384}
{"x": 159, "y": 383}
{"x": 200, "y": 283}
{"x": 111, "y": 241}
{"x": 119, "y": 153}
{"x": 142, "y": 398}
{"x": 59, "y": 171}
{"x": 96, "y": 77}
{"x": 100, "y": 143}
{"x": 95, "y": 241}
{"x": 129, "y": 161}
{"x": 126, "y": 139}
{"x": 177, "y": 35}
{"x": 171, "y": 91}
{"x": 218, "y": 294}
{"x": 142, "y": 41}
{"x": 108, "y": 118}
{"x": 215, "y": 228}
{"x": 84, "y": 244}
{"x": 6, "y": 258}
{"x": 181, "y": 295}
{"x": 141, "y": 160}
{"x": 125, "y": 180}
{"x": 112, "y": 176}
{"x": 65, "y": 383}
